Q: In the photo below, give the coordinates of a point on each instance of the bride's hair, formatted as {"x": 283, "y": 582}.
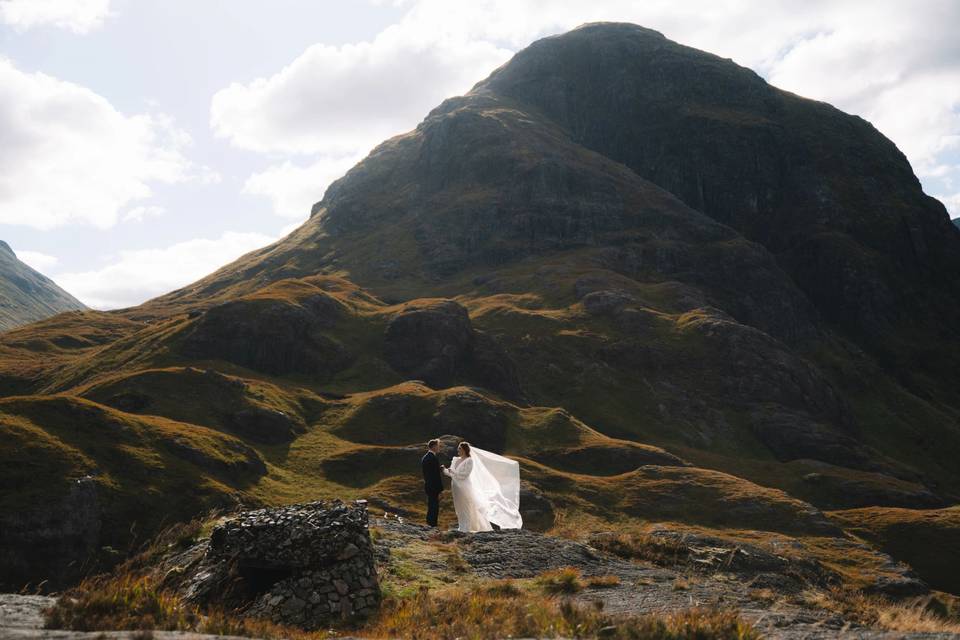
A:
{"x": 466, "y": 448}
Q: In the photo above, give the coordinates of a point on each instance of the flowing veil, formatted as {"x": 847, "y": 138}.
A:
{"x": 496, "y": 481}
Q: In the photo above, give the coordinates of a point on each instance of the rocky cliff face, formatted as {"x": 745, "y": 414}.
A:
{"x": 26, "y": 295}
{"x": 831, "y": 198}
{"x": 55, "y": 543}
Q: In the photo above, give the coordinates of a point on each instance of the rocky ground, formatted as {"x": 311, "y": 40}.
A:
{"x": 713, "y": 577}
{"x": 704, "y": 572}
{"x": 21, "y": 616}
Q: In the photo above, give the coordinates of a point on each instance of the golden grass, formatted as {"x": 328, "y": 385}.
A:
{"x": 129, "y": 600}
{"x": 603, "y": 582}
{"x": 481, "y": 615}
{"x": 643, "y": 546}
{"x": 561, "y": 581}
{"x": 877, "y": 611}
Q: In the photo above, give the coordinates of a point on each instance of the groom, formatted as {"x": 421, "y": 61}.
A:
{"x": 432, "y": 480}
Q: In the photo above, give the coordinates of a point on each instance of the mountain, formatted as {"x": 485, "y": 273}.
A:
{"x": 674, "y": 292}
{"x": 27, "y": 295}
{"x": 956, "y": 221}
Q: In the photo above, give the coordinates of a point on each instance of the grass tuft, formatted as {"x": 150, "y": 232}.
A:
{"x": 642, "y": 546}
{"x": 561, "y": 581}
{"x": 603, "y": 582}
{"x": 877, "y": 611}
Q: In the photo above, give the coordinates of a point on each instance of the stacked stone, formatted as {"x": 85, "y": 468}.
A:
{"x": 314, "y": 561}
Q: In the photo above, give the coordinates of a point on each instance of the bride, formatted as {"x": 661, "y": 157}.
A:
{"x": 486, "y": 489}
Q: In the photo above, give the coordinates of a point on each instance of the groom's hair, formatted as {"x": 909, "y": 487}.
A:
{"x": 432, "y": 443}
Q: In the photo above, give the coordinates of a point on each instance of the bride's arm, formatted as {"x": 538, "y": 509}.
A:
{"x": 461, "y": 471}
{"x": 453, "y": 465}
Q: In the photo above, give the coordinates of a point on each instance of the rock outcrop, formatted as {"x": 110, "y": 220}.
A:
{"x": 272, "y": 336}
{"x": 302, "y": 565}
{"x": 434, "y": 341}
{"x": 54, "y": 544}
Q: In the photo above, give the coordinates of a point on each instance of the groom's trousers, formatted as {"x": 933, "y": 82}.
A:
{"x": 433, "y": 508}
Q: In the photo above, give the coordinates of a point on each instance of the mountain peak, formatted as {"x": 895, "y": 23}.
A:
{"x": 612, "y": 29}
{"x": 5, "y": 249}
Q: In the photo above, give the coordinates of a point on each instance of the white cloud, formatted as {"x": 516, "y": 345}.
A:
{"x": 138, "y": 275}
{"x": 69, "y": 157}
{"x": 896, "y": 64}
{"x": 79, "y": 16}
{"x": 952, "y": 203}
{"x": 42, "y": 262}
{"x": 141, "y": 213}
{"x": 294, "y": 189}
{"x": 344, "y": 100}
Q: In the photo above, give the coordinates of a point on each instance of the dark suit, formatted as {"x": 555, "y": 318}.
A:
{"x": 432, "y": 485}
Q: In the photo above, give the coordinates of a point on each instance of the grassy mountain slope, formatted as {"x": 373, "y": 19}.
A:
{"x": 27, "y": 296}
{"x": 514, "y": 273}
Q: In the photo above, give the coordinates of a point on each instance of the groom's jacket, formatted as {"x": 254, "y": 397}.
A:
{"x": 432, "y": 478}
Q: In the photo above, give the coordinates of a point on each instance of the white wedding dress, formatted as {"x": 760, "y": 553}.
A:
{"x": 486, "y": 489}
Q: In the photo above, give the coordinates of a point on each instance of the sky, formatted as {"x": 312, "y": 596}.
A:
{"x": 144, "y": 143}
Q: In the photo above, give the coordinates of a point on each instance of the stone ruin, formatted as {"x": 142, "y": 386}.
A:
{"x": 303, "y": 565}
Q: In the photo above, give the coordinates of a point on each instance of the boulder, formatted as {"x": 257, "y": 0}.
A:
{"x": 472, "y": 417}
{"x": 431, "y": 341}
{"x": 493, "y": 367}
{"x": 608, "y": 459}
{"x": 262, "y": 424}
{"x": 434, "y": 341}
{"x": 246, "y": 463}
{"x": 793, "y": 436}
{"x": 598, "y": 303}
{"x": 535, "y": 508}
{"x": 273, "y": 336}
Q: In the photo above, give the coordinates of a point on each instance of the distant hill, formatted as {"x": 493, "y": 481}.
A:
{"x": 27, "y": 295}
{"x": 956, "y": 222}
